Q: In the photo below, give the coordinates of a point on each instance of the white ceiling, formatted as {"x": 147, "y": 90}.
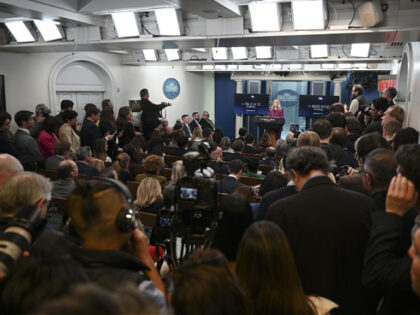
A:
{"x": 210, "y": 23}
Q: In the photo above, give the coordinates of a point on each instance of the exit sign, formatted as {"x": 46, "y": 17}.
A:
{"x": 385, "y": 82}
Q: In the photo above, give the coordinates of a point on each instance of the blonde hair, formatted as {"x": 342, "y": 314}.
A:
{"x": 276, "y": 100}
{"x": 290, "y": 137}
{"x": 148, "y": 192}
{"x": 24, "y": 189}
{"x": 197, "y": 133}
{"x": 308, "y": 138}
{"x": 178, "y": 171}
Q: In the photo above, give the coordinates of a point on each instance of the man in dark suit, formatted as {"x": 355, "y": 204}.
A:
{"x": 83, "y": 155}
{"x": 377, "y": 110}
{"x": 62, "y": 153}
{"x": 387, "y": 264}
{"x": 66, "y": 172}
{"x": 186, "y": 125}
{"x": 205, "y": 122}
{"x": 249, "y": 145}
{"x": 242, "y": 134}
{"x": 216, "y": 162}
{"x": 195, "y": 121}
{"x": 90, "y": 131}
{"x": 238, "y": 147}
{"x": 229, "y": 184}
{"x": 328, "y": 229}
{"x": 25, "y": 144}
{"x": 150, "y": 113}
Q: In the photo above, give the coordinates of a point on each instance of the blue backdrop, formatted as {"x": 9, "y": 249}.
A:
{"x": 224, "y": 89}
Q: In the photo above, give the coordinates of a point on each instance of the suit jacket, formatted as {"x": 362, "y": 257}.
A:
{"x": 228, "y": 185}
{"x": 68, "y": 134}
{"x": 271, "y": 197}
{"x": 62, "y": 188}
{"x": 6, "y": 146}
{"x": 87, "y": 170}
{"x": 90, "y": 133}
{"x": 328, "y": 230}
{"x": 151, "y": 112}
{"x": 207, "y": 123}
{"x": 387, "y": 264}
{"x": 52, "y": 162}
{"x": 194, "y": 124}
{"x": 28, "y": 147}
{"x": 236, "y": 156}
{"x": 219, "y": 167}
{"x": 187, "y": 131}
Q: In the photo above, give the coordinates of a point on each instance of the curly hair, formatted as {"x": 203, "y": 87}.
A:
{"x": 153, "y": 163}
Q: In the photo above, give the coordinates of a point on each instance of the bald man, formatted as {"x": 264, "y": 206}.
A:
{"x": 9, "y": 166}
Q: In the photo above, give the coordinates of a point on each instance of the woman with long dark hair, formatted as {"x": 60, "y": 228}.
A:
{"x": 48, "y": 136}
{"x": 125, "y": 126}
{"x": 266, "y": 269}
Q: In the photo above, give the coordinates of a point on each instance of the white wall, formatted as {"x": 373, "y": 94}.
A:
{"x": 196, "y": 94}
{"x": 27, "y": 75}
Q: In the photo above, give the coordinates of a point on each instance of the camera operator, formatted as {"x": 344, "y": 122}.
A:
{"x": 151, "y": 113}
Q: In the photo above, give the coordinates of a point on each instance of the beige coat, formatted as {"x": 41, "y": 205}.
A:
{"x": 67, "y": 133}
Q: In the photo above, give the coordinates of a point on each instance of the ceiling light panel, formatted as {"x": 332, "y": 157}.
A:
{"x": 309, "y": 15}
{"x": 220, "y": 67}
{"x": 239, "y": 52}
{"x": 208, "y": 67}
{"x": 150, "y": 54}
{"x": 172, "y": 54}
{"x": 319, "y": 51}
{"x": 328, "y": 66}
{"x": 265, "y": 16}
{"x": 344, "y": 66}
{"x": 125, "y": 24}
{"x": 169, "y": 22}
{"x": 20, "y": 32}
{"x": 360, "y": 65}
{"x": 48, "y": 29}
{"x": 295, "y": 66}
{"x": 219, "y": 53}
{"x": 232, "y": 67}
{"x": 360, "y": 50}
{"x": 263, "y": 52}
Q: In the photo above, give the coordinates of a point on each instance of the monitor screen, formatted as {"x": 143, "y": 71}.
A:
{"x": 251, "y": 104}
{"x": 315, "y": 106}
{"x": 189, "y": 193}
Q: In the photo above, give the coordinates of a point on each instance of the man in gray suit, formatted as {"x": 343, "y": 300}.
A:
{"x": 62, "y": 152}
{"x": 30, "y": 156}
{"x": 66, "y": 172}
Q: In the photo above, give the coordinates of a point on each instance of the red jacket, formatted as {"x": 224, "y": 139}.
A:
{"x": 46, "y": 142}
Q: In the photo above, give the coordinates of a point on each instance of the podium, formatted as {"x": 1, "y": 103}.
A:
{"x": 271, "y": 124}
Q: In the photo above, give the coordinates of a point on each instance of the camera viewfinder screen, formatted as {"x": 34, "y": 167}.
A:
{"x": 189, "y": 193}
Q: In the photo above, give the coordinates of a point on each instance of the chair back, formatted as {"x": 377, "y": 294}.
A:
{"x": 265, "y": 169}
{"x": 52, "y": 175}
{"x": 251, "y": 181}
{"x": 132, "y": 187}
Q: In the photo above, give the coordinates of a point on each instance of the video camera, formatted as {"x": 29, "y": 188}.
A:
{"x": 19, "y": 234}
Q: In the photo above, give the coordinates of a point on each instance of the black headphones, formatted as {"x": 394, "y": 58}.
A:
{"x": 127, "y": 217}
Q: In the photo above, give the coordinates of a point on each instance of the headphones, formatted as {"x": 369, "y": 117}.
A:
{"x": 127, "y": 217}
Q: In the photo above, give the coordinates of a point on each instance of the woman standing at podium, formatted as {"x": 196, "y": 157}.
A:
{"x": 276, "y": 111}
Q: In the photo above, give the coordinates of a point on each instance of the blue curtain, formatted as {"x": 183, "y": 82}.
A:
{"x": 224, "y": 89}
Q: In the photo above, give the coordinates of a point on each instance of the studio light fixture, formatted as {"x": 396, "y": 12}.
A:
{"x": 20, "y": 32}
{"x": 219, "y": 53}
{"x": 239, "y": 52}
{"x": 232, "y": 67}
{"x": 344, "y": 66}
{"x": 295, "y": 66}
{"x": 309, "y": 15}
{"x": 172, "y": 54}
{"x": 208, "y": 67}
{"x": 149, "y": 54}
{"x": 220, "y": 67}
{"x": 169, "y": 22}
{"x": 48, "y": 29}
{"x": 319, "y": 51}
{"x": 360, "y": 65}
{"x": 260, "y": 67}
{"x": 263, "y": 52}
{"x": 360, "y": 50}
{"x": 328, "y": 66}
{"x": 125, "y": 24}
{"x": 265, "y": 16}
